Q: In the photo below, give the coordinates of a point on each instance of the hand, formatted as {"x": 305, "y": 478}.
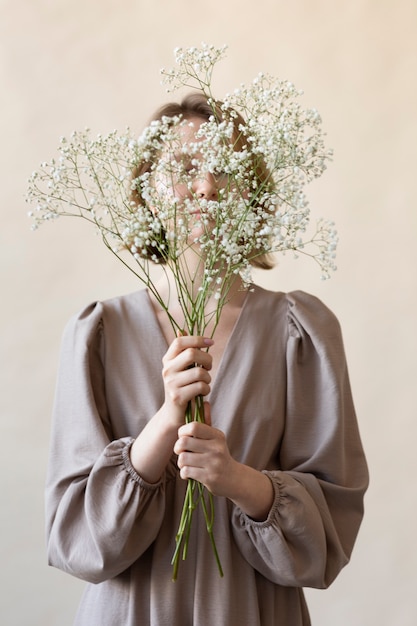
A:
{"x": 185, "y": 373}
{"x": 203, "y": 455}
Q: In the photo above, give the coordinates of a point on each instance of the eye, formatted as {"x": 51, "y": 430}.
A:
{"x": 188, "y": 166}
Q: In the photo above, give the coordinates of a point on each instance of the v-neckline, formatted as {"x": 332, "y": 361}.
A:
{"x": 228, "y": 344}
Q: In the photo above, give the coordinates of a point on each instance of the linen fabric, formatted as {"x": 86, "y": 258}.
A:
{"x": 281, "y": 396}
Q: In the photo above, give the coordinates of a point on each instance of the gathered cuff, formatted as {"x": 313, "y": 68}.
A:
{"x": 125, "y": 451}
{"x": 246, "y": 520}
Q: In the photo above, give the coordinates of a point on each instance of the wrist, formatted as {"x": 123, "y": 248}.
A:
{"x": 170, "y": 418}
{"x": 153, "y": 447}
{"x": 253, "y": 492}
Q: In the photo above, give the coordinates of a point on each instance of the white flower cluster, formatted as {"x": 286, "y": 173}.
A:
{"x": 193, "y": 65}
{"x": 89, "y": 179}
{"x": 287, "y": 138}
{"x": 262, "y": 173}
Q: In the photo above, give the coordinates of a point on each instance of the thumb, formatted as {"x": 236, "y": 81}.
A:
{"x": 207, "y": 413}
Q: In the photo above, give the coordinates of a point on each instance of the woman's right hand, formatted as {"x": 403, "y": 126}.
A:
{"x": 185, "y": 373}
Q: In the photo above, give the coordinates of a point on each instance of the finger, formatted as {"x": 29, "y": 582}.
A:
{"x": 195, "y": 357}
{"x": 188, "y": 445}
{"x": 195, "y": 473}
{"x": 182, "y": 333}
{"x": 191, "y": 450}
{"x": 188, "y": 377}
{"x": 187, "y": 358}
{"x": 197, "y": 430}
{"x": 186, "y": 386}
{"x": 207, "y": 413}
{"x": 183, "y": 342}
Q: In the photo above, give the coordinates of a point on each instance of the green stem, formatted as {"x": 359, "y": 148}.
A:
{"x": 209, "y": 518}
{"x": 195, "y": 494}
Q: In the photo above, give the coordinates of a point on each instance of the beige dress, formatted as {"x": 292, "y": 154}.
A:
{"x": 283, "y": 399}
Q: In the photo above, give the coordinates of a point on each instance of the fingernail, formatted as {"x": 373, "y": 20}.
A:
{"x": 208, "y": 342}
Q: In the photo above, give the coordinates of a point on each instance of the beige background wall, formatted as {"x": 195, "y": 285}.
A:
{"x": 68, "y": 64}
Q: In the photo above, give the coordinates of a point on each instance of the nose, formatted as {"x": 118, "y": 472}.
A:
{"x": 206, "y": 187}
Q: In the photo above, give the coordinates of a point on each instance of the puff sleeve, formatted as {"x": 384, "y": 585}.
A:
{"x": 322, "y": 473}
{"x": 101, "y": 516}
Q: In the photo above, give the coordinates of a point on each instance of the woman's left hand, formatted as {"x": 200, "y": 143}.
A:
{"x": 203, "y": 455}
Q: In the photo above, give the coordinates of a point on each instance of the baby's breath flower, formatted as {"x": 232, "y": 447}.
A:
{"x": 92, "y": 177}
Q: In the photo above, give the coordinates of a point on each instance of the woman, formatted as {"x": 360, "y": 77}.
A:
{"x": 280, "y": 449}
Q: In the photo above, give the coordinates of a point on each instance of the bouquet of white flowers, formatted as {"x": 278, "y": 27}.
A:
{"x": 259, "y": 145}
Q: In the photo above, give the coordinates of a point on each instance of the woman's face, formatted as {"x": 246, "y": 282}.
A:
{"x": 189, "y": 182}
